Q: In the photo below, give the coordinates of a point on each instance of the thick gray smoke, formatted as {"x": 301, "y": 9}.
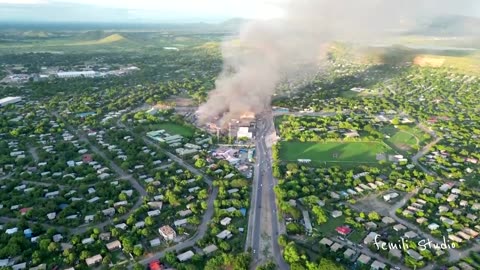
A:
{"x": 266, "y": 52}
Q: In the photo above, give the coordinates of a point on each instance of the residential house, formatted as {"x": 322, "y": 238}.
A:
{"x": 167, "y": 232}
{"x": 114, "y": 245}
{"x": 93, "y": 260}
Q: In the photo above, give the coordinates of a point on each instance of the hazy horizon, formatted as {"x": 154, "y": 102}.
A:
{"x": 155, "y": 12}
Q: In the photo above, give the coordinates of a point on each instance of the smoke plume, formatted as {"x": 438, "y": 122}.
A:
{"x": 268, "y": 51}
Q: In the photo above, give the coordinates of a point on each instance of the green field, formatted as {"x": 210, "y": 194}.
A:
{"x": 351, "y": 152}
{"x": 404, "y": 138}
{"x": 173, "y": 128}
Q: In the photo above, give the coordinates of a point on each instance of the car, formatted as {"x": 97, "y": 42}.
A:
{"x": 254, "y": 251}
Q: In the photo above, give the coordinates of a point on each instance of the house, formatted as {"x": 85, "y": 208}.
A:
{"x": 93, "y": 260}
{"x": 433, "y": 226}
{"x": 109, "y": 212}
{"x": 11, "y": 231}
{"x": 155, "y": 242}
{"x": 225, "y": 221}
{"x": 377, "y": 265}
{"x": 87, "y": 158}
{"x": 179, "y": 223}
{"x": 364, "y": 259}
{"x": 104, "y": 236}
{"x": 40, "y": 267}
{"x": 452, "y": 197}
{"x": 167, "y": 232}
{"x": 371, "y": 225}
{"x": 87, "y": 241}
{"x": 447, "y": 220}
{"x": 421, "y": 220}
{"x": 185, "y": 256}
{"x": 224, "y": 234}
{"x": 325, "y": 241}
{"x": 415, "y": 255}
{"x": 399, "y": 227}
{"x": 336, "y": 214}
{"x": 395, "y": 252}
{"x": 114, "y": 245}
{"x": 209, "y": 249}
{"x": 307, "y": 222}
{"x": 348, "y": 254}
{"x": 139, "y": 224}
{"x": 153, "y": 213}
{"x": 443, "y": 208}
{"x": 410, "y": 235}
{"x": 464, "y": 235}
{"x": 471, "y": 232}
{"x": 57, "y": 238}
{"x": 120, "y": 203}
{"x": 390, "y": 196}
{"x": 155, "y": 205}
{"x": 51, "y": 215}
{"x": 89, "y": 218}
{"x": 185, "y": 213}
{"x": 343, "y": 230}
{"x": 388, "y": 220}
{"x": 455, "y": 238}
{"x": 25, "y": 210}
{"x": 19, "y": 266}
{"x": 122, "y": 226}
{"x": 335, "y": 247}
{"x": 369, "y": 238}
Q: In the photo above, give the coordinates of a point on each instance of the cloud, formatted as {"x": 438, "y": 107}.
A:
{"x": 24, "y": 2}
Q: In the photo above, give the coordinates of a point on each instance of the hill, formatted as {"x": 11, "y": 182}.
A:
{"x": 106, "y": 40}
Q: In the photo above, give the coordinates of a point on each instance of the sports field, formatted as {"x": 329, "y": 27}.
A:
{"x": 406, "y": 138}
{"x": 351, "y": 152}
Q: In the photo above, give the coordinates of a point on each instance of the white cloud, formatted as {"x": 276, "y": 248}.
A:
{"x": 245, "y": 8}
{"x": 24, "y": 2}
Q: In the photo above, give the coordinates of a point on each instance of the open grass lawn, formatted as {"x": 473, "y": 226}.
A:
{"x": 404, "y": 138}
{"x": 173, "y": 129}
{"x": 356, "y": 236}
{"x": 349, "y": 152}
{"x": 329, "y": 227}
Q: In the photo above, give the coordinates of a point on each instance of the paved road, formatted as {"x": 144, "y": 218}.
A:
{"x": 264, "y": 208}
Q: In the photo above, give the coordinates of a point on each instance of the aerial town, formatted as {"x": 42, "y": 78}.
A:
{"x": 170, "y": 146}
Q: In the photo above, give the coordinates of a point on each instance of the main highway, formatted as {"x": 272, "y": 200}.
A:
{"x": 264, "y": 226}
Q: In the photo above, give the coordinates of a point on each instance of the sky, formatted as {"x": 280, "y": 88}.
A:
{"x": 137, "y": 11}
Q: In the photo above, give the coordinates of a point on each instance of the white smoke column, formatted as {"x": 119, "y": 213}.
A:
{"x": 266, "y": 52}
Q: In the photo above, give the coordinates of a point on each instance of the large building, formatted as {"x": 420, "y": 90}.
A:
{"x": 9, "y": 100}
{"x": 244, "y": 132}
{"x": 76, "y": 74}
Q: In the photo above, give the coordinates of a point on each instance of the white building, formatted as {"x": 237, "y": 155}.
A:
{"x": 9, "y": 100}
{"x": 243, "y": 132}
{"x": 76, "y": 74}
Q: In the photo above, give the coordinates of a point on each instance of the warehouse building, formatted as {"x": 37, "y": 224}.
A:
{"x": 9, "y": 100}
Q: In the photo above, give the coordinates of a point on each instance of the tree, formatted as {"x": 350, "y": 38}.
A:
{"x": 138, "y": 251}
{"x": 373, "y": 216}
{"x": 320, "y": 214}
{"x": 290, "y": 253}
{"x": 200, "y": 163}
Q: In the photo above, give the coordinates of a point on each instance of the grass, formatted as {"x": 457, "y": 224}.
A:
{"x": 173, "y": 128}
{"x": 329, "y": 227}
{"x": 105, "y": 40}
{"x": 350, "y": 152}
{"x": 404, "y": 138}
